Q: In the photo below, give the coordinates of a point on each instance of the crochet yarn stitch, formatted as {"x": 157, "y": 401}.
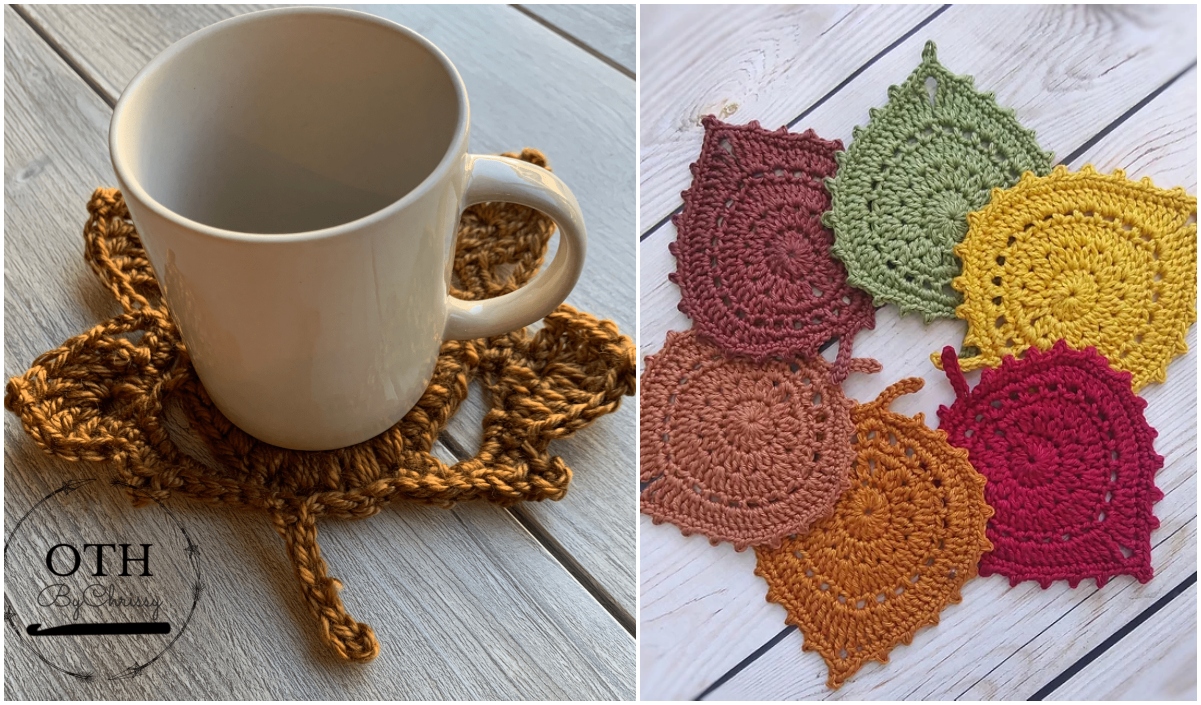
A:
{"x": 753, "y": 260}
{"x": 101, "y": 397}
{"x": 1070, "y": 462}
{"x": 741, "y": 452}
{"x": 900, "y": 545}
{"x": 910, "y": 177}
{"x": 1093, "y": 259}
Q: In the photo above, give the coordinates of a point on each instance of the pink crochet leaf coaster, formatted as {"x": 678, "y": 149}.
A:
{"x": 1070, "y": 462}
{"x": 741, "y": 452}
{"x": 753, "y": 259}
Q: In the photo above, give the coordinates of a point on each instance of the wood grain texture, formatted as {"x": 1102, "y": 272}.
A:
{"x": 1167, "y": 642}
{"x": 466, "y": 602}
{"x": 756, "y": 62}
{"x": 578, "y": 111}
{"x": 1080, "y": 88}
{"x": 703, "y": 610}
{"x": 606, "y": 29}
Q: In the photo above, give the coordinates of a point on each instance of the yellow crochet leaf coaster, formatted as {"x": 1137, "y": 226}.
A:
{"x": 1095, "y": 259}
{"x": 906, "y": 183}
{"x": 902, "y": 541}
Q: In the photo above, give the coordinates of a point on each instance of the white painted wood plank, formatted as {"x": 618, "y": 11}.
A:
{"x": 685, "y": 582}
{"x": 1166, "y": 643}
{"x": 1062, "y": 90}
{"x": 743, "y": 63}
{"x": 574, "y": 108}
{"x": 606, "y": 29}
{"x": 465, "y": 602}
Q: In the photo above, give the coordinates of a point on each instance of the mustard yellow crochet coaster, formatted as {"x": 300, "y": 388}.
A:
{"x": 1095, "y": 259}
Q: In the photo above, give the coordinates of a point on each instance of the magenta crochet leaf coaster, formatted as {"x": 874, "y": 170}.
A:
{"x": 753, "y": 259}
{"x": 738, "y": 451}
{"x": 1070, "y": 463}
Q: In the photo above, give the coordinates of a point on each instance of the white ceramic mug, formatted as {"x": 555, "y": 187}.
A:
{"x": 297, "y": 177}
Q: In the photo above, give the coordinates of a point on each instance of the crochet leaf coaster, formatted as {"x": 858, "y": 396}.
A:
{"x": 101, "y": 397}
{"x": 741, "y": 452}
{"x": 900, "y": 544}
{"x": 1070, "y": 462}
{"x": 910, "y": 177}
{"x": 1093, "y": 259}
{"x": 753, "y": 259}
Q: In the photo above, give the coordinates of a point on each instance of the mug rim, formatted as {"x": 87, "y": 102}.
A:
{"x": 131, "y": 185}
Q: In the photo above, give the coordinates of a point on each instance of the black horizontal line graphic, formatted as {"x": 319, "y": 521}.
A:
{"x": 100, "y": 628}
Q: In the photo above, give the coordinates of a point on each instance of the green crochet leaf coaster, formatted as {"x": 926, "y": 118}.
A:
{"x": 908, "y": 180}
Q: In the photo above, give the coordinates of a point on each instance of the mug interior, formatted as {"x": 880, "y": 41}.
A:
{"x": 288, "y": 122}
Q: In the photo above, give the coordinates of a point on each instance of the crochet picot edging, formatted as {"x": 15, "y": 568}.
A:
{"x": 911, "y": 175}
{"x": 1095, "y": 259}
{"x": 753, "y": 259}
{"x": 901, "y": 543}
{"x": 1070, "y": 462}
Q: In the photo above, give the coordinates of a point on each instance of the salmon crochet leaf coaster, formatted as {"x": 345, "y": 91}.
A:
{"x": 1070, "y": 462}
{"x": 910, "y": 177}
{"x": 1093, "y": 259}
{"x": 753, "y": 260}
{"x": 900, "y": 545}
{"x": 741, "y": 452}
{"x": 101, "y": 397}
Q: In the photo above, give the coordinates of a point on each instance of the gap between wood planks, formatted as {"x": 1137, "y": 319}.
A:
{"x": 524, "y": 519}
{"x": 805, "y": 113}
{"x": 1088, "y": 144}
{"x": 1043, "y": 692}
{"x": 579, "y": 42}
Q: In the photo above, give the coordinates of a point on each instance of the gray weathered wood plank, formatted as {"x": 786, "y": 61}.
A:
{"x": 606, "y": 29}
{"x": 466, "y": 603}
{"x": 573, "y": 107}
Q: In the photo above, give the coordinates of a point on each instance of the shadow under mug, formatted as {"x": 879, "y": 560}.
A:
{"x": 297, "y": 177}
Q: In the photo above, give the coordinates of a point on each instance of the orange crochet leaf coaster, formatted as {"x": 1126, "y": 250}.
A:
{"x": 902, "y": 541}
{"x": 1095, "y": 259}
{"x": 741, "y": 452}
{"x": 101, "y": 397}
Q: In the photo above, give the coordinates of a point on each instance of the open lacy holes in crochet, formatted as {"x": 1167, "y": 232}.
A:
{"x": 741, "y": 452}
{"x": 902, "y": 541}
{"x": 1070, "y": 462}
{"x": 101, "y": 397}
{"x": 1093, "y": 259}
{"x": 753, "y": 259}
{"x": 910, "y": 177}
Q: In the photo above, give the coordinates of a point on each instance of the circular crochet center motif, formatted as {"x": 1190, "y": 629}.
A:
{"x": 1094, "y": 259}
{"x": 911, "y": 176}
{"x": 1070, "y": 463}
{"x": 753, "y": 259}
{"x": 901, "y": 542}
{"x": 740, "y": 452}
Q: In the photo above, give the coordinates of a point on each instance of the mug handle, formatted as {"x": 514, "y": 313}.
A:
{"x": 492, "y": 178}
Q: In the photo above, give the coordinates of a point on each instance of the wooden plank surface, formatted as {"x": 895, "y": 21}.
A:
{"x": 607, "y": 30}
{"x": 466, "y": 602}
{"x": 703, "y": 610}
{"x": 1081, "y": 88}
{"x": 518, "y": 98}
{"x": 1167, "y": 642}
